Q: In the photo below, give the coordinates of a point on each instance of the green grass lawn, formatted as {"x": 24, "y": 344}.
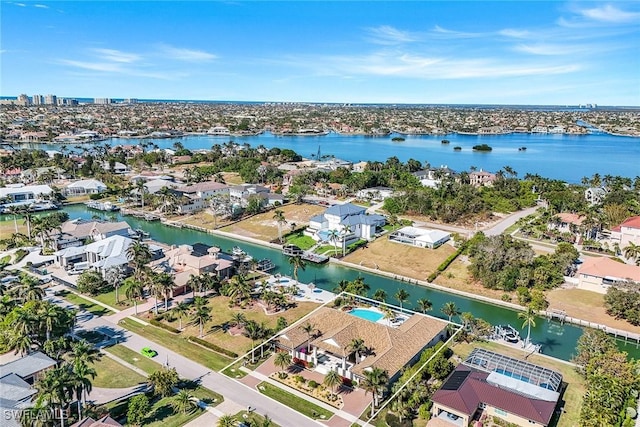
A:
{"x": 296, "y": 403}
{"x": 180, "y": 345}
{"x": 300, "y": 240}
{"x": 328, "y": 250}
{"x": 85, "y": 304}
{"x": 234, "y": 371}
{"x": 109, "y": 298}
{"x": 163, "y": 414}
{"x": 111, "y": 374}
{"x": 134, "y": 358}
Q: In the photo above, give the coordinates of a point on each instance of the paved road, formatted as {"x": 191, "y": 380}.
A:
{"x": 230, "y": 389}
{"x": 500, "y": 227}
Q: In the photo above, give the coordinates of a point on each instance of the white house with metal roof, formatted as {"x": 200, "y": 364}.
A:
{"x": 420, "y": 237}
{"x": 350, "y": 221}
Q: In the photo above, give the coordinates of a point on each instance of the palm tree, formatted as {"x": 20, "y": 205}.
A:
{"x": 346, "y": 229}
{"x": 238, "y": 288}
{"x": 254, "y": 331}
{"x": 83, "y": 352}
{"x": 375, "y": 382}
{"x": 142, "y": 189}
{"x": 332, "y": 379}
{"x": 342, "y": 286}
{"x": 402, "y": 296}
{"x": 162, "y": 285}
{"x": 380, "y": 295}
{"x": 55, "y": 389}
{"x": 298, "y": 263}
{"x": 333, "y": 236}
{"x": 310, "y": 330}
{"x": 28, "y": 216}
{"x": 184, "y": 401}
{"x": 529, "y": 317}
{"x": 227, "y": 421}
{"x": 357, "y": 347}
{"x": 82, "y": 383}
{"x": 425, "y": 305}
{"x": 139, "y": 254}
{"x": 450, "y": 309}
{"x": 632, "y": 252}
{"x": 15, "y": 210}
{"x": 201, "y": 316}
{"x": 134, "y": 289}
{"x": 114, "y": 277}
{"x": 278, "y": 216}
{"x": 282, "y": 360}
{"x": 181, "y": 310}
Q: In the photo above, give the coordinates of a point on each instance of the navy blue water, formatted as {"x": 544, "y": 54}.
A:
{"x": 556, "y": 340}
{"x": 564, "y": 157}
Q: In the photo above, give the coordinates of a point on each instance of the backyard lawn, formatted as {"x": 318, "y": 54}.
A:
{"x": 300, "y": 240}
{"x": 222, "y": 313}
{"x": 111, "y": 374}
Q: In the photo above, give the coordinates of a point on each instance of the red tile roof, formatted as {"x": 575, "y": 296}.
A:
{"x": 633, "y": 222}
{"x": 603, "y": 267}
{"x": 475, "y": 389}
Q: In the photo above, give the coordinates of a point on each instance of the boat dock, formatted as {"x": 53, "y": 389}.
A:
{"x": 315, "y": 258}
{"x": 140, "y": 214}
{"x": 102, "y": 206}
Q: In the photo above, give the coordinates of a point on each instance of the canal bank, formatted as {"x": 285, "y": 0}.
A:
{"x": 556, "y": 339}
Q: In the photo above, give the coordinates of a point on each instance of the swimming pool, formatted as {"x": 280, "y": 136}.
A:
{"x": 370, "y": 315}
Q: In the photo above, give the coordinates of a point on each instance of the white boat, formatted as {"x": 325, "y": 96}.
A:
{"x": 219, "y": 131}
{"x": 102, "y": 206}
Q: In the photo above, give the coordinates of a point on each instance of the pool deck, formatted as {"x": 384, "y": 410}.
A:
{"x": 306, "y": 291}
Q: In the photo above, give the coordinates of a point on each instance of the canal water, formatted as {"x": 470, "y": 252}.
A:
{"x": 556, "y": 340}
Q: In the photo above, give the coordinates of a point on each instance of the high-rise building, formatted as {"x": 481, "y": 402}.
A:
{"x": 102, "y": 101}
{"x": 23, "y": 100}
{"x": 37, "y": 100}
{"x": 130, "y": 101}
{"x": 51, "y": 100}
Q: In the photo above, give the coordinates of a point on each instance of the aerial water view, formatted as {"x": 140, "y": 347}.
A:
{"x": 305, "y": 213}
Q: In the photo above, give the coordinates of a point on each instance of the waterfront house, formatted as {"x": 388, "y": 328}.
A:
{"x": 195, "y": 197}
{"x": 85, "y": 186}
{"x": 599, "y": 273}
{"x": 392, "y": 344}
{"x": 241, "y": 193}
{"x": 491, "y": 384}
{"x": 79, "y": 231}
{"x": 375, "y": 193}
{"x": 118, "y": 168}
{"x": 24, "y": 194}
{"x": 595, "y": 195}
{"x": 420, "y": 237}
{"x": 349, "y": 220}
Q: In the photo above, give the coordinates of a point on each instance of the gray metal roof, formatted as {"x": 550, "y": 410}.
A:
{"x": 344, "y": 210}
{"x": 28, "y": 365}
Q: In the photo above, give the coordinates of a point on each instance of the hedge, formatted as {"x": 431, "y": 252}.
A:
{"x": 213, "y": 347}
{"x": 442, "y": 267}
{"x": 164, "y": 326}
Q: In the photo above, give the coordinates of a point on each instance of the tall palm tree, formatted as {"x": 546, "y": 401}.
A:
{"x": 28, "y": 216}
{"x": 529, "y": 317}
{"x": 239, "y": 289}
{"x": 310, "y": 329}
{"x": 333, "y": 236}
{"x": 49, "y": 316}
{"x": 55, "y": 390}
{"x": 134, "y": 290}
{"x": 424, "y": 305}
{"x": 402, "y": 296}
{"x": 375, "y": 382}
{"x": 254, "y": 331}
{"x": 342, "y": 286}
{"x": 380, "y": 295}
{"x": 278, "y": 216}
{"x": 83, "y": 352}
{"x": 201, "y": 315}
{"x": 346, "y": 229}
{"x": 298, "y": 264}
{"x": 184, "y": 401}
{"x": 141, "y": 189}
{"x": 139, "y": 254}
{"x": 450, "y": 309}
{"x": 114, "y": 277}
{"x": 181, "y": 310}
{"x": 332, "y": 379}
{"x": 82, "y": 386}
{"x": 162, "y": 285}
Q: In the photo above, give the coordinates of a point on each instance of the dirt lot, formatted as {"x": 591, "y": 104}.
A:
{"x": 264, "y": 227}
{"x": 586, "y": 305}
{"x": 397, "y": 258}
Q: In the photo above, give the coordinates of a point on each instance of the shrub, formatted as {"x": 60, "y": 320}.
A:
{"x": 213, "y": 347}
{"x": 313, "y": 384}
{"x": 393, "y": 421}
{"x": 20, "y": 254}
{"x": 432, "y": 276}
{"x": 159, "y": 324}
{"x": 425, "y": 410}
{"x": 96, "y": 196}
{"x": 505, "y": 297}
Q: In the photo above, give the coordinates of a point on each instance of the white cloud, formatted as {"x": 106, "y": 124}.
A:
{"x": 388, "y": 35}
{"x": 609, "y": 13}
{"x": 41, "y": 6}
{"x": 188, "y": 55}
{"x": 94, "y": 66}
{"x": 116, "y": 55}
{"x": 548, "y": 49}
{"x": 438, "y": 30}
{"x": 516, "y": 34}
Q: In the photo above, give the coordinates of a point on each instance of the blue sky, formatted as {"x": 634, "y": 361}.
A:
{"x": 377, "y": 52}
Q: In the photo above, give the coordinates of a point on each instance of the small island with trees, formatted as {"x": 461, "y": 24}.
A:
{"x": 482, "y": 147}
{"x": 457, "y": 148}
{"x": 397, "y": 139}
{"x": 444, "y": 141}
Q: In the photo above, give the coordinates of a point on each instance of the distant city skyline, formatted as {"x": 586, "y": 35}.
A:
{"x": 516, "y": 53}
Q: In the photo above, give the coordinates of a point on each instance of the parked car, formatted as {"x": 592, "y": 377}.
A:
{"x": 146, "y": 351}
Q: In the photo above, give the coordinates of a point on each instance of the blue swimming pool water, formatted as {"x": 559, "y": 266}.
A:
{"x": 513, "y": 375}
{"x": 324, "y": 235}
{"x": 372, "y": 316}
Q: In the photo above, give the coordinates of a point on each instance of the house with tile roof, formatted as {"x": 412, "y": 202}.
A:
{"x": 392, "y": 344}
{"x": 491, "y": 384}
{"x": 350, "y": 221}
{"x": 627, "y": 232}
{"x": 599, "y": 273}
{"x": 105, "y": 421}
